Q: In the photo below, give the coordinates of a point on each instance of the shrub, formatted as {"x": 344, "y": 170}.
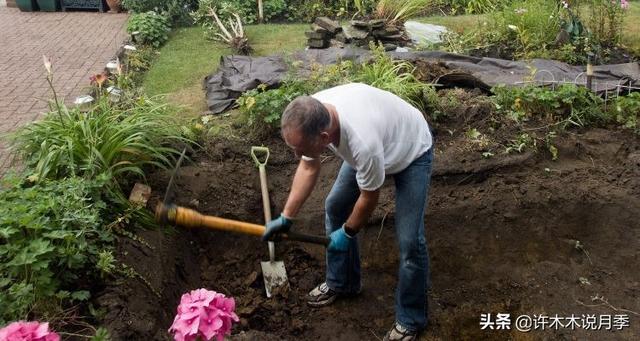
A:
{"x": 177, "y": 11}
{"x": 149, "y": 28}
{"x": 142, "y": 6}
{"x": 50, "y": 236}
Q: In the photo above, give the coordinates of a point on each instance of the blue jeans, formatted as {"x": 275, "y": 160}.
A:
{"x": 343, "y": 268}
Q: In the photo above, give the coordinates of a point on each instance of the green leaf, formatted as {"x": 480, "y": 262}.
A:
{"x": 81, "y": 295}
{"x": 32, "y": 252}
{"x": 7, "y": 232}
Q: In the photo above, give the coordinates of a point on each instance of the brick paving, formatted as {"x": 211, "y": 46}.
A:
{"x": 79, "y": 45}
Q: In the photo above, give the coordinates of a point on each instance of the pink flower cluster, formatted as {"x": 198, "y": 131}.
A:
{"x": 624, "y": 4}
{"x": 203, "y": 313}
{"x": 28, "y": 331}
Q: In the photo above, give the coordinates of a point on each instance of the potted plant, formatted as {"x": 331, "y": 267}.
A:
{"x": 114, "y": 6}
{"x": 27, "y": 5}
{"x": 49, "y": 5}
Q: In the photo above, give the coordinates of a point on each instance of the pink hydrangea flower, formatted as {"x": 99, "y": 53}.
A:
{"x": 203, "y": 313}
{"x": 28, "y": 331}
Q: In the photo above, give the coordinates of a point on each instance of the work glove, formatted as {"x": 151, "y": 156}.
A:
{"x": 340, "y": 240}
{"x": 276, "y": 226}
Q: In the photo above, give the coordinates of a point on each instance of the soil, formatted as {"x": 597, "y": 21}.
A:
{"x": 513, "y": 233}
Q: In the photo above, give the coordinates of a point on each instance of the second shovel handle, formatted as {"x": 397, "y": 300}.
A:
{"x": 266, "y": 206}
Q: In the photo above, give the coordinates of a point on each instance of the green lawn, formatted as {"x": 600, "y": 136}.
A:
{"x": 631, "y": 31}
{"x": 188, "y": 57}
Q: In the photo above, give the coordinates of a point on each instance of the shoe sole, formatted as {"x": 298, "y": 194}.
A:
{"x": 322, "y": 303}
{"x": 332, "y": 299}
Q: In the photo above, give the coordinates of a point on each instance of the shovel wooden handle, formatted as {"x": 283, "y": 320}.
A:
{"x": 187, "y": 217}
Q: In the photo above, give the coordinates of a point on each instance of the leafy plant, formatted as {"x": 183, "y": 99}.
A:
{"x": 264, "y": 106}
{"x": 394, "y": 76}
{"x": 149, "y": 28}
{"x": 567, "y": 104}
{"x": 626, "y": 110}
{"x": 521, "y": 143}
{"x": 51, "y": 234}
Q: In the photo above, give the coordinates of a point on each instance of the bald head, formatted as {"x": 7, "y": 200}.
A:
{"x": 306, "y": 114}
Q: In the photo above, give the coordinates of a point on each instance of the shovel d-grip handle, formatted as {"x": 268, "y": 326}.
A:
{"x": 187, "y": 217}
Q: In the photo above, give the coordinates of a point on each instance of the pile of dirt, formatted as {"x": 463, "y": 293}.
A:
{"x": 513, "y": 233}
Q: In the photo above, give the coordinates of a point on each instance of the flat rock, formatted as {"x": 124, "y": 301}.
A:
{"x": 376, "y": 23}
{"x": 318, "y": 28}
{"x": 389, "y": 47}
{"x": 328, "y": 24}
{"x": 342, "y": 37}
{"x": 317, "y": 43}
{"x": 352, "y": 32}
{"x": 140, "y": 194}
{"x": 360, "y": 23}
{"x": 316, "y": 35}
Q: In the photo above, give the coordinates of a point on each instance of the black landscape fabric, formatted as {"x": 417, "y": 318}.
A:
{"x": 237, "y": 74}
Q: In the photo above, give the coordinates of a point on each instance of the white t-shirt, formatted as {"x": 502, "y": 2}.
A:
{"x": 380, "y": 134}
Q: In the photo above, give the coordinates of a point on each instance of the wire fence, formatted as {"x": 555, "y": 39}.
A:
{"x": 609, "y": 90}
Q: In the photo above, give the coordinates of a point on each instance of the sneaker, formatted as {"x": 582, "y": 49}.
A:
{"x": 321, "y": 295}
{"x": 400, "y": 333}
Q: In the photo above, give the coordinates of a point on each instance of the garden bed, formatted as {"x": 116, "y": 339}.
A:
{"x": 514, "y": 233}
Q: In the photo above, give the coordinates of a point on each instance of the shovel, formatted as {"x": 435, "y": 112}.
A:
{"x": 274, "y": 273}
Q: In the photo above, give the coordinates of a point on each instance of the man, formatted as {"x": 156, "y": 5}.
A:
{"x": 376, "y": 134}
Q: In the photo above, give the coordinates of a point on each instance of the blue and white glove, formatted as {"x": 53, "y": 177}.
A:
{"x": 340, "y": 240}
{"x": 276, "y": 226}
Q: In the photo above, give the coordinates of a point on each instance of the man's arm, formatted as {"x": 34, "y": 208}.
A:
{"x": 303, "y": 183}
{"x": 362, "y": 210}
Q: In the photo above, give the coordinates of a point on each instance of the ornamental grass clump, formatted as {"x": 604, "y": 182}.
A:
{"x": 398, "y": 11}
{"x": 203, "y": 315}
{"x": 119, "y": 141}
{"x": 395, "y": 76}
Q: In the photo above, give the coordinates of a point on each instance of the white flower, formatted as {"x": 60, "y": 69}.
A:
{"x": 47, "y": 63}
{"x": 205, "y": 119}
{"x": 130, "y": 48}
{"x": 513, "y": 27}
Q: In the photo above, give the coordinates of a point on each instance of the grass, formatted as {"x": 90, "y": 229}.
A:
{"x": 631, "y": 30}
{"x": 188, "y": 57}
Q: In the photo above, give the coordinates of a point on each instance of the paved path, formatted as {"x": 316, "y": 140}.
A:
{"x": 79, "y": 45}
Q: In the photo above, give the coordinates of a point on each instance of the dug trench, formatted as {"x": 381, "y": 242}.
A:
{"x": 515, "y": 233}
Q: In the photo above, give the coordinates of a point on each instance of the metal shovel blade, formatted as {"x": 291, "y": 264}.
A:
{"x": 275, "y": 276}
